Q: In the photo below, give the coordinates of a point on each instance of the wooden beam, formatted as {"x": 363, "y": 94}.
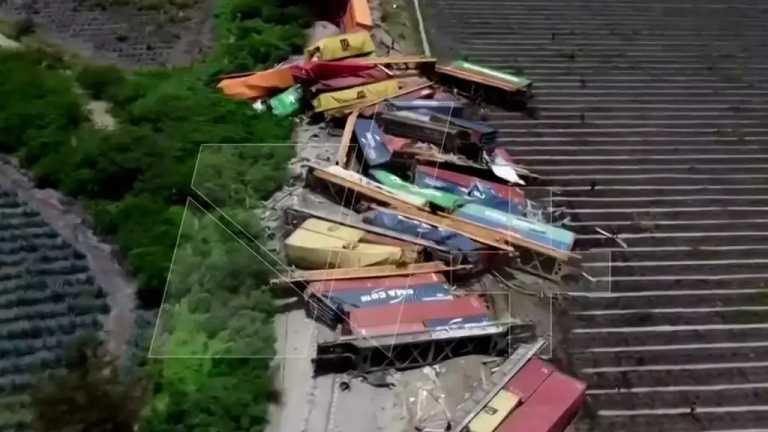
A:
{"x": 396, "y": 59}
{"x": 368, "y": 228}
{"x": 504, "y": 240}
{"x": 471, "y": 230}
{"x": 379, "y": 195}
{"x": 346, "y": 139}
{"x": 462, "y": 226}
{"x": 367, "y": 272}
{"x": 402, "y": 62}
{"x": 476, "y": 232}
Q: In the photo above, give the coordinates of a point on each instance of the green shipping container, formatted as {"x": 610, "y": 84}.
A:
{"x": 287, "y": 102}
{"x": 442, "y": 199}
{"x": 512, "y": 79}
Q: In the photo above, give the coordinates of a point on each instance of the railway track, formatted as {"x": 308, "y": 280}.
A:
{"x": 651, "y": 122}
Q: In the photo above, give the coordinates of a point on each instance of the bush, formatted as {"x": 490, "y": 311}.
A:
{"x": 146, "y": 230}
{"x": 45, "y": 111}
{"x": 99, "y": 81}
{"x": 23, "y": 27}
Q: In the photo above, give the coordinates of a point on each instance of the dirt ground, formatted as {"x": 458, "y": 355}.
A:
{"x": 67, "y": 217}
{"x": 420, "y": 397}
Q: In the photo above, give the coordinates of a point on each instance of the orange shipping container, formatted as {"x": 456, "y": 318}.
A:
{"x": 258, "y": 85}
{"x": 358, "y": 16}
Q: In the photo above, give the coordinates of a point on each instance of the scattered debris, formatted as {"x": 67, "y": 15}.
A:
{"x": 386, "y": 239}
{"x": 368, "y": 272}
{"x": 614, "y": 237}
{"x": 378, "y": 379}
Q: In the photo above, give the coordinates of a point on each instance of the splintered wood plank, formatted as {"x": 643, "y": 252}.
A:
{"x": 367, "y": 272}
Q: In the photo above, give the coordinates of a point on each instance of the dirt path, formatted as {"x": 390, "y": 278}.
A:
{"x": 67, "y": 217}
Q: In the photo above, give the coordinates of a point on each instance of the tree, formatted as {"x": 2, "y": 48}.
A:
{"x": 90, "y": 396}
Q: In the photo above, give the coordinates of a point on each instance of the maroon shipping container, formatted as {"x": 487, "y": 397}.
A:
{"x": 551, "y": 407}
{"x": 529, "y": 378}
{"x": 316, "y": 71}
{"x": 416, "y": 317}
{"x": 357, "y": 79}
{"x": 373, "y": 283}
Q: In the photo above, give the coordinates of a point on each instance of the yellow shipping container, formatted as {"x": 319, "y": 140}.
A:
{"x": 356, "y": 95}
{"x": 342, "y": 46}
{"x": 350, "y": 235}
{"x": 494, "y": 413}
{"x": 317, "y": 245}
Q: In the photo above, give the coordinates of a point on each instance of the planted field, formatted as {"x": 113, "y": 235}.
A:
{"x": 128, "y": 32}
{"x": 47, "y": 299}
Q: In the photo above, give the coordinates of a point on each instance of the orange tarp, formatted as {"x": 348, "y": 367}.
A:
{"x": 258, "y": 85}
{"x": 358, "y": 16}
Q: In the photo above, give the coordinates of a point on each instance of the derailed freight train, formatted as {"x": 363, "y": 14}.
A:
{"x": 405, "y": 322}
{"x": 538, "y": 398}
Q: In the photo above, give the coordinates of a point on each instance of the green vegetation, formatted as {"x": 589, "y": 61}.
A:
{"x": 137, "y": 175}
{"x": 93, "y": 394}
{"x": 214, "y": 307}
{"x": 136, "y": 180}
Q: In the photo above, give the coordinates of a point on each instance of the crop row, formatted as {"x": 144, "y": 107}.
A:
{"x": 13, "y": 247}
{"x": 53, "y": 295}
{"x": 48, "y": 298}
{"x": 79, "y": 307}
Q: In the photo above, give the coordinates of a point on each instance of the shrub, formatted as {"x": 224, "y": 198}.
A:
{"x": 99, "y": 81}
{"x": 45, "y": 109}
{"x": 23, "y": 27}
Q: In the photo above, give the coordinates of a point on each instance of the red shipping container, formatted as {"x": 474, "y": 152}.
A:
{"x": 529, "y": 378}
{"x": 551, "y": 408}
{"x": 401, "y": 318}
{"x": 360, "y": 78}
{"x": 315, "y": 71}
{"x": 372, "y": 283}
{"x": 393, "y": 329}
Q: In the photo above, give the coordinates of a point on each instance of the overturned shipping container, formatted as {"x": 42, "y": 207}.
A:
{"x": 537, "y": 398}
{"x": 408, "y": 327}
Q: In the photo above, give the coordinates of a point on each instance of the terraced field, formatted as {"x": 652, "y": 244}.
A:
{"x": 121, "y": 32}
{"x": 47, "y": 298}
{"x": 652, "y": 120}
